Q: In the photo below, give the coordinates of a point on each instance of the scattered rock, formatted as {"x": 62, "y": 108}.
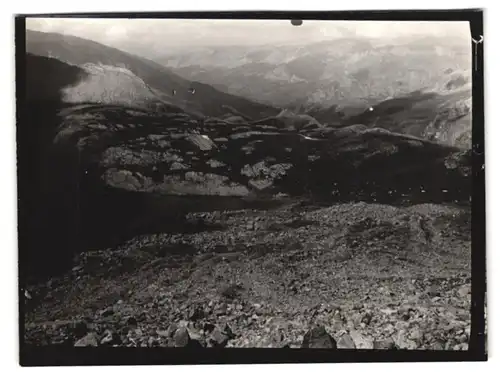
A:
{"x": 385, "y": 344}
{"x": 460, "y": 347}
{"x": 346, "y": 342}
{"x": 434, "y": 291}
{"x": 182, "y": 323}
{"x": 221, "y": 309}
{"x": 131, "y": 321}
{"x": 361, "y": 341}
{"x": 182, "y": 338}
{"x": 402, "y": 342}
{"x": 215, "y": 163}
{"x": 79, "y": 328}
{"x": 438, "y": 346}
{"x": 367, "y": 318}
{"x": 178, "y": 166}
{"x": 171, "y": 330}
{"x": 152, "y": 342}
{"x": 196, "y": 313}
{"x": 218, "y": 338}
{"x": 337, "y": 315}
{"x": 232, "y": 291}
{"x": 163, "y": 333}
{"x": 357, "y": 306}
{"x": 228, "y": 331}
{"x": 464, "y": 291}
{"x": 89, "y": 340}
{"x": 197, "y": 339}
{"x": 416, "y": 335}
{"x": 208, "y": 327}
{"x": 463, "y": 338}
{"x": 265, "y": 284}
{"x": 110, "y": 338}
{"x": 202, "y": 141}
{"x": 107, "y": 312}
{"x": 318, "y": 337}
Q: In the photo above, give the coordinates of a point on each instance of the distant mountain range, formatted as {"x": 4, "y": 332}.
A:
{"x": 341, "y": 72}
{"x": 420, "y": 87}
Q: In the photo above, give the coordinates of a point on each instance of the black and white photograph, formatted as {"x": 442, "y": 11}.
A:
{"x": 249, "y": 183}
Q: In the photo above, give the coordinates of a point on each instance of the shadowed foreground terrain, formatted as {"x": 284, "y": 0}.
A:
{"x": 388, "y": 277}
{"x": 164, "y": 228}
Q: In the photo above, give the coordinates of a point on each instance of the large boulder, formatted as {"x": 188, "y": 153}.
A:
{"x": 318, "y": 337}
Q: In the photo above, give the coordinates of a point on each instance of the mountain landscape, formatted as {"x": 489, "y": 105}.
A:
{"x": 331, "y": 72}
{"x": 314, "y": 196}
{"x": 350, "y": 75}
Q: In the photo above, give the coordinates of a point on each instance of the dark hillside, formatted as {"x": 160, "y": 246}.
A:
{"x": 206, "y": 99}
{"x": 48, "y": 196}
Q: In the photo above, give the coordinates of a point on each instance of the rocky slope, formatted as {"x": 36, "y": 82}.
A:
{"x": 165, "y": 166}
{"x": 175, "y": 154}
{"x": 193, "y": 231}
{"x": 374, "y": 276}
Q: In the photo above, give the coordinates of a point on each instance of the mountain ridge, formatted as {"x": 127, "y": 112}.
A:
{"x": 338, "y": 65}
{"x": 78, "y": 51}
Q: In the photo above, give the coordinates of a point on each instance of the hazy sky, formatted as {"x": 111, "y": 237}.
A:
{"x": 172, "y": 32}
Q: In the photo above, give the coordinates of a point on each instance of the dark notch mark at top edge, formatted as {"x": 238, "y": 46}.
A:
{"x": 381, "y": 15}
